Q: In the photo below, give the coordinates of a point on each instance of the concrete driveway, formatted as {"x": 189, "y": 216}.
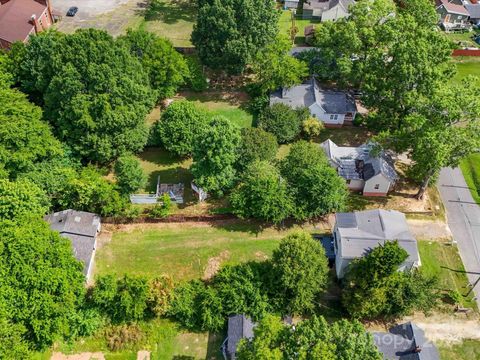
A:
{"x": 463, "y": 216}
{"x": 113, "y": 16}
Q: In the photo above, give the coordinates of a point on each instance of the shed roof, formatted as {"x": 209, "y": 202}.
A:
{"x": 401, "y": 341}
{"x": 15, "y": 17}
{"x": 361, "y": 231}
{"x": 239, "y": 327}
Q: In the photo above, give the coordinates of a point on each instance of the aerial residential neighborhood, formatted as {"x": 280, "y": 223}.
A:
{"x": 238, "y": 179}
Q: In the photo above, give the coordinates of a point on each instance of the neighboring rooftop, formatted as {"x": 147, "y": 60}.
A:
{"x": 15, "y": 19}
{"x": 362, "y": 231}
{"x": 473, "y": 10}
{"x": 405, "y": 342}
{"x": 81, "y": 228}
{"x": 357, "y": 162}
{"x": 332, "y": 102}
{"x": 454, "y": 8}
{"x": 239, "y": 327}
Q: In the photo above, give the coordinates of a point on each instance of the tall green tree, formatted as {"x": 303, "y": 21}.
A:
{"x": 228, "y": 34}
{"x": 315, "y": 185}
{"x": 214, "y": 156}
{"x": 25, "y": 139}
{"x": 93, "y": 91}
{"x": 42, "y": 284}
{"x": 283, "y": 121}
{"x": 129, "y": 174}
{"x": 180, "y": 126}
{"x": 166, "y": 68}
{"x": 256, "y": 144}
{"x": 20, "y": 199}
{"x": 262, "y": 194}
{"x": 275, "y": 68}
{"x": 301, "y": 269}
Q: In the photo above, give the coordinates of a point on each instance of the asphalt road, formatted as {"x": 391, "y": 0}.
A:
{"x": 463, "y": 216}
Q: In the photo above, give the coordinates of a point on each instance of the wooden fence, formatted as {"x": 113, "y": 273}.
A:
{"x": 466, "y": 52}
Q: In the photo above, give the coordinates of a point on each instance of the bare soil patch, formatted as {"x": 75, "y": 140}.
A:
{"x": 432, "y": 230}
{"x": 81, "y": 356}
{"x": 214, "y": 264}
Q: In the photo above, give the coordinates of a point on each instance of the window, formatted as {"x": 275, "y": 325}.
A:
{"x": 333, "y": 117}
{"x": 377, "y": 186}
{"x": 349, "y": 181}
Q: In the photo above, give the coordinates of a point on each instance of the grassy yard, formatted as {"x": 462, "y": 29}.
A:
{"x": 184, "y": 251}
{"x": 471, "y": 171}
{"x": 466, "y": 66}
{"x": 162, "y": 337}
{"x": 466, "y": 350}
{"x": 172, "y": 19}
{"x": 443, "y": 261}
{"x": 285, "y": 23}
{"x": 463, "y": 39}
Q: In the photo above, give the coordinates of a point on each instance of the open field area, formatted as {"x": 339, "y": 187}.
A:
{"x": 463, "y": 39}
{"x": 466, "y": 350}
{"x": 184, "y": 251}
{"x": 442, "y": 260}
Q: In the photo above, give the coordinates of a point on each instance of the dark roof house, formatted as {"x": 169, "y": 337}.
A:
{"x": 405, "y": 342}
{"x": 82, "y": 229}
{"x": 239, "y": 327}
{"x": 474, "y": 12}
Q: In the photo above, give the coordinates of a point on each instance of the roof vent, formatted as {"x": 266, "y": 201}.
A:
{"x": 77, "y": 219}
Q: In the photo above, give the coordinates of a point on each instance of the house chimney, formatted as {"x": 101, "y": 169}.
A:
{"x": 34, "y": 22}
{"x": 417, "y": 349}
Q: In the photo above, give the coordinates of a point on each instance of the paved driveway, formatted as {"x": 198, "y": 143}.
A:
{"x": 463, "y": 216}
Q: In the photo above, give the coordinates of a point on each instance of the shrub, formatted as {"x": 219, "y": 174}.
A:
{"x": 197, "y": 80}
{"x": 312, "y": 128}
{"x": 162, "y": 208}
{"x": 160, "y": 295}
{"x": 123, "y": 336}
{"x": 282, "y": 121}
{"x": 256, "y": 144}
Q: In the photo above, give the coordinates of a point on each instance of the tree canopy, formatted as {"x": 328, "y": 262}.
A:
{"x": 228, "y": 34}
{"x": 214, "y": 156}
{"x": 129, "y": 174}
{"x": 283, "y": 121}
{"x": 316, "y": 187}
{"x": 180, "y": 125}
{"x": 166, "y": 68}
{"x": 262, "y": 194}
{"x": 21, "y": 199}
{"x": 93, "y": 91}
{"x": 256, "y": 144}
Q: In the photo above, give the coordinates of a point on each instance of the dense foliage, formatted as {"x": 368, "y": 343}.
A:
{"x": 390, "y": 292}
{"x": 315, "y": 185}
{"x": 312, "y": 339}
{"x": 283, "y": 121}
{"x": 42, "y": 284}
{"x": 166, "y": 68}
{"x": 262, "y": 194}
{"x": 228, "y": 34}
{"x": 129, "y": 174}
{"x": 20, "y": 199}
{"x": 301, "y": 269}
{"x": 180, "y": 126}
{"x": 214, "y": 156}
{"x": 256, "y": 144}
{"x": 93, "y": 91}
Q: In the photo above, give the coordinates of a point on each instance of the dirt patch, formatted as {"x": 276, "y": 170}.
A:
{"x": 81, "y": 356}
{"x": 424, "y": 229}
{"x": 143, "y": 355}
{"x": 261, "y": 255}
{"x": 214, "y": 264}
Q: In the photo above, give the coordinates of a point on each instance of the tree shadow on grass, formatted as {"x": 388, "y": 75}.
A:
{"x": 170, "y": 12}
{"x": 213, "y": 346}
{"x": 172, "y": 175}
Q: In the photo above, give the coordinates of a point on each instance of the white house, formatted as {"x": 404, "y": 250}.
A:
{"x": 81, "y": 228}
{"x": 374, "y": 176}
{"x": 356, "y": 234}
{"x": 326, "y": 10}
{"x": 333, "y": 108}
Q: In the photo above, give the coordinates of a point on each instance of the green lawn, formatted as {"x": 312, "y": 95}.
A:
{"x": 184, "y": 251}
{"x": 160, "y": 336}
{"x": 285, "y": 23}
{"x": 463, "y": 39}
{"x": 471, "y": 171}
{"x": 172, "y": 19}
{"x": 467, "y": 350}
{"x": 443, "y": 261}
{"x": 466, "y": 66}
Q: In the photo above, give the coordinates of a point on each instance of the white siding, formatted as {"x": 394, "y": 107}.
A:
{"x": 379, "y": 181}
{"x": 357, "y": 184}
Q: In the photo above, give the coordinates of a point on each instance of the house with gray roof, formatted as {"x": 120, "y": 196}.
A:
{"x": 355, "y": 234}
{"x": 326, "y": 10}
{"x": 405, "y": 342}
{"x": 373, "y": 175}
{"x": 239, "y": 327}
{"x": 81, "y": 228}
{"x": 333, "y": 108}
{"x": 474, "y": 12}
{"x": 453, "y": 16}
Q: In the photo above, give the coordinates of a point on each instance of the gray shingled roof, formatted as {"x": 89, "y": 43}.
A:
{"x": 81, "y": 228}
{"x": 239, "y": 327}
{"x": 304, "y": 95}
{"x": 347, "y": 159}
{"x": 474, "y": 10}
{"x": 402, "y": 340}
{"x": 361, "y": 231}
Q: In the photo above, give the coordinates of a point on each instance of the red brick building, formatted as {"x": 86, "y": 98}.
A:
{"x": 19, "y": 19}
